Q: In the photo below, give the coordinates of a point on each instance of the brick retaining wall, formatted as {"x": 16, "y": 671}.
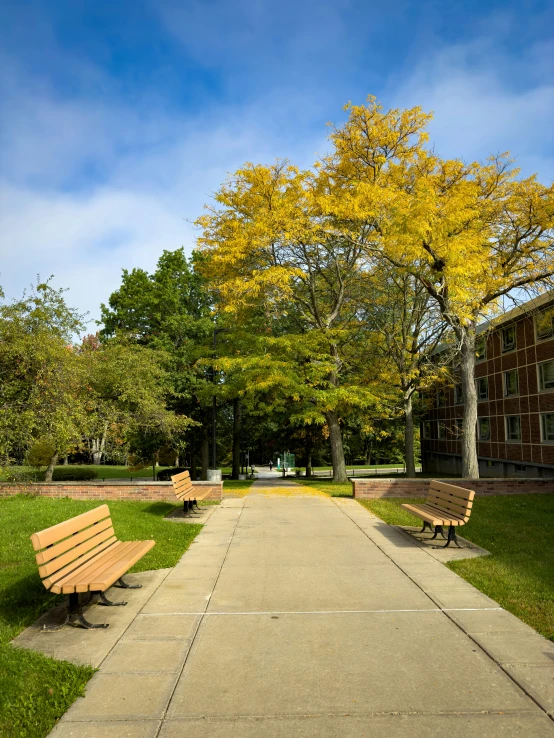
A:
{"x": 137, "y": 491}
{"x": 370, "y": 489}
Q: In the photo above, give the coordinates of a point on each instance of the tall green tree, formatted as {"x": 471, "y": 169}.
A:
{"x": 169, "y": 311}
{"x": 129, "y": 389}
{"x": 42, "y": 382}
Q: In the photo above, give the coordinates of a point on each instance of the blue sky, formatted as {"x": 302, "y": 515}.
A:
{"x": 118, "y": 120}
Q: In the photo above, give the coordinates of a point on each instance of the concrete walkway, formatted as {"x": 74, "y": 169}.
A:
{"x": 307, "y": 616}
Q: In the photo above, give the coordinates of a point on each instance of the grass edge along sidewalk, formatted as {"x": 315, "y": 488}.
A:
{"x": 36, "y": 690}
{"x": 518, "y": 530}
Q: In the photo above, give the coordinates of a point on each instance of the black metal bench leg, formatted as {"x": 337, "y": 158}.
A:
{"x": 438, "y": 529}
{"x": 426, "y": 526}
{"x": 451, "y": 537}
{"x": 124, "y": 585}
{"x": 196, "y": 504}
{"x": 105, "y": 601}
{"x": 75, "y": 614}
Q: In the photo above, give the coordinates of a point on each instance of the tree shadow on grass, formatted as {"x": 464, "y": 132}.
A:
{"x": 22, "y": 602}
{"x": 160, "y": 509}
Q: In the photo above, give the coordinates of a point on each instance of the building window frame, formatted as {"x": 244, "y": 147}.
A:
{"x": 509, "y": 433}
{"x": 481, "y": 397}
{"x": 442, "y": 430}
{"x": 509, "y": 344}
{"x": 541, "y": 383}
{"x": 520, "y": 468}
{"x": 458, "y": 394}
{"x": 480, "y": 349}
{"x": 440, "y": 398}
{"x": 549, "y": 333}
{"x": 427, "y": 429}
{"x": 506, "y": 382}
{"x": 483, "y": 436}
{"x": 544, "y": 432}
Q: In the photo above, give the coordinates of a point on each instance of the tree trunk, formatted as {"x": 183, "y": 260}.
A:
{"x": 193, "y": 469}
{"x": 50, "y": 469}
{"x": 98, "y": 445}
{"x": 337, "y": 450}
{"x": 237, "y": 411}
{"x": 66, "y": 460}
{"x": 176, "y": 461}
{"x": 205, "y": 452}
{"x": 470, "y": 463}
{"x": 409, "y": 434}
{"x": 368, "y": 455}
{"x": 309, "y": 470}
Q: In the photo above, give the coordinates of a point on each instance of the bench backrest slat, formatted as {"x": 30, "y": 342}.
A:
{"x": 60, "y": 561}
{"x": 64, "y": 573}
{"x": 182, "y": 484}
{"x": 56, "y": 533}
{"x": 456, "y": 500}
{"x": 60, "y": 548}
{"x": 63, "y": 547}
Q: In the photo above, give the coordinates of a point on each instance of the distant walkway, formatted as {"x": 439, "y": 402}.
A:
{"x": 308, "y": 616}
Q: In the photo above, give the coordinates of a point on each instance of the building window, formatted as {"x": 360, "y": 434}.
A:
{"x": 480, "y": 348}
{"x": 427, "y": 429}
{"x": 458, "y": 427}
{"x": 546, "y": 375}
{"x": 458, "y": 395}
{"x": 520, "y": 468}
{"x": 547, "y": 427}
{"x": 441, "y": 398}
{"x": 511, "y": 384}
{"x": 513, "y": 428}
{"x": 490, "y": 464}
{"x": 544, "y": 324}
{"x": 482, "y": 388}
{"x": 509, "y": 338}
{"x": 484, "y": 428}
{"x": 442, "y": 430}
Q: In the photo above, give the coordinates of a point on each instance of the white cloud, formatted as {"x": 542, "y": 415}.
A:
{"x": 151, "y": 175}
{"x": 93, "y": 183}
{"x": 478, "y": 111}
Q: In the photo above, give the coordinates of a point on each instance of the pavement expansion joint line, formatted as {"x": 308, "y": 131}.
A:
{"x": 501, "y": 666}
{"x": 324, "y": 612}
{"x": 342, "y": 714}
{"x": 179, "y": 674}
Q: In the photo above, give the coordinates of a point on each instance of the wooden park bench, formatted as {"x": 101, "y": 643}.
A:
{"x": 446, "y": 504}
{"x": 83, "y": 555}
{"x": 184, "y": 491}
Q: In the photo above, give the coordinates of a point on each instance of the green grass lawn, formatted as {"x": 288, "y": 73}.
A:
{"x": 518, "y": 530}
{"x": 362, "y": 466}
{"x": 231, "y": 485}
{"x": 103, "y": 471}
{"x": 330, "y": 488}
{"x": 36, "y": 690}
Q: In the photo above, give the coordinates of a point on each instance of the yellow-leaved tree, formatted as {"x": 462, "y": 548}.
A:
{"x": 469, "y": 233}
{"x": 273, "y": 262}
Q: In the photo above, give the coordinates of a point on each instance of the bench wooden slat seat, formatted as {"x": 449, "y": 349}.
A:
{"x": 445, "y": 504}
{"x": 83, "y": 555}
{"x": 187, "y": 493}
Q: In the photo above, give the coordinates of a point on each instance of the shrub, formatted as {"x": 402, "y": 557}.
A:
{"x": 67, "y": 474}
{"x": 40, "y": 453}
{"x": 165, "y": 474}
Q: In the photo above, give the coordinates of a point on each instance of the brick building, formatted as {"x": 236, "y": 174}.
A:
{"x": 514, "y": 374}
